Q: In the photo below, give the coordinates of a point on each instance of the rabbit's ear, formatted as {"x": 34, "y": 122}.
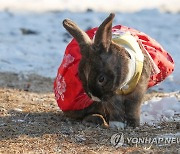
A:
{"x": 104, "y": 33}
{"x": 81, "y": 37}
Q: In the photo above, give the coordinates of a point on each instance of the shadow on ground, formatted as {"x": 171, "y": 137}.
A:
{"x": 31, "y": 83}
{"x": 32, "y": 124}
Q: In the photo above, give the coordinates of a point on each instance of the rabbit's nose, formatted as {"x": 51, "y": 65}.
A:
{"x": 94, "y": 98}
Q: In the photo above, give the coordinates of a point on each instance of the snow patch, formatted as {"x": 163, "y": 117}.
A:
{"x": 100, "y": 5}
{"x": 160, "y": 109}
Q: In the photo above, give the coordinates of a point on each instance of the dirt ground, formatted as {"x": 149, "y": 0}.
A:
{"x": 31, "y": 122}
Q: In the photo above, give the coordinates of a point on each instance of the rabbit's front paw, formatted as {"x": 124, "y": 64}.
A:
{"x": 117, "y": 124}
{"x": 133, "y": 122}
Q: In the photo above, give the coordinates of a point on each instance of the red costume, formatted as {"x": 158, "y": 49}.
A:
{"x": 68, "y": 88}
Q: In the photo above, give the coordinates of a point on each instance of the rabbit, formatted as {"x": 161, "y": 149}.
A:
{"x": 103, "y": 68}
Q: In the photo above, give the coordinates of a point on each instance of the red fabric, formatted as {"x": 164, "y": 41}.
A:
{"x": 68, "y": 88}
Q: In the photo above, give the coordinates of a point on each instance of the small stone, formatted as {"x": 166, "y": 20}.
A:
{"x": 178, "y": 126}
{"x": 89, "y": 10}
{"x": 80, "y": 138}
{"x": 25, "y": 31}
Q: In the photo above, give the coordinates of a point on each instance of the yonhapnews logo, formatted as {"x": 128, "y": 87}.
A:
{"x": 118, "y": 140}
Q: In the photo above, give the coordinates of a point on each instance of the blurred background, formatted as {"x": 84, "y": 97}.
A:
{"x": 33, "y": 40}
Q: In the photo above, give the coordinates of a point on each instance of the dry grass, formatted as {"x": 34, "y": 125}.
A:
{"x": 31, "y": 122}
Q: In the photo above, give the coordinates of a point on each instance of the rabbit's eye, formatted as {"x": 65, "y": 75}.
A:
{"x": 101, "y": 79}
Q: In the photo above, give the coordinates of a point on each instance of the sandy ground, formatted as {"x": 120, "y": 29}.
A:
{"x": 31, "y": 122}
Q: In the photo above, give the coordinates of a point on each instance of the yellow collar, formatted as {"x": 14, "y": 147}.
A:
{"x": 135, "y": 64}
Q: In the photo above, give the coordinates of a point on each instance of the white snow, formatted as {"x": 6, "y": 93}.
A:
{"x": 42, "y": 53}
{"x": 97, "y": 5}
{"x": 160, "y": 109}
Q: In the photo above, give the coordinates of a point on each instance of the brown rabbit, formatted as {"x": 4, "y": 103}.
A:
{"x": 103, "y": 70}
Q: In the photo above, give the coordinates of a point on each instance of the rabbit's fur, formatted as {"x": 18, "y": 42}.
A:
{"x": 102, "y": 70}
